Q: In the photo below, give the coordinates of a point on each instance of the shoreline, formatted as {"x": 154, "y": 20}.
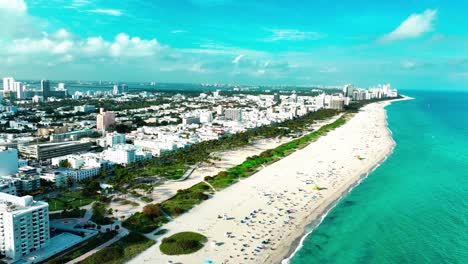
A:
{"x": 315, "y": 223}
{"x": 227, "y": 159}
{"x": 288, "y": 207}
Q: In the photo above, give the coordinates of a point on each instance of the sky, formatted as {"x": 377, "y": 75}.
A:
{"x": 408, "y": 43}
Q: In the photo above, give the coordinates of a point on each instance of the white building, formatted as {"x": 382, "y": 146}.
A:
{"x": 233, "y": 114}
{"x": 348, "y": 90}
{"x": 206, "y": 117}
{"x": 188, "y": 120}
{"x": 8, "y": 162}
{"x": 58, "y": 177}
{"x": 114, "y": 138}
{"x": 85, "y": 108}
{"x": 8, "y": 186}
{"x": 25, "y": 225}
{"x": 125, "y": 154}
{"x": 8, "y": 84}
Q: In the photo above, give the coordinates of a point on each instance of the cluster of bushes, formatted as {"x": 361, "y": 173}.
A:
{"x": 182, "y": 243}
{"x": 121, "y": 251}
{"x": 151, "y": 218}
{"x": 100, "y": 213}
{"x": 73, "y": 213}
{"x": 82, "y": 248}
{"x": 186, "y": 199}
{"x": 172, "y": 165}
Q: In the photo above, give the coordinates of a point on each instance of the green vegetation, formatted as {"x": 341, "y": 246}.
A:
{"x": 151, "y": 218}
{"x": 70, "y": 201}
{"x": 100, "y": 213}
{"x": 182, "y": 243}
{"x": 82, "y": 248}
{"x": 64, "y": 164}
{"x": 73, "y": 213}
{"x": 121, "y": 251}
{"x": 252, "y": 164}
{"x": 160, "y": 232}
{"x": 146, "y": 199}
{"x": 186, "y": 199}
{"x": 173, "y": 165}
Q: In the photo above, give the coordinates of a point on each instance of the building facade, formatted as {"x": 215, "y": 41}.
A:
{"x": 105, "y": 119}
{"x": 24, "y": 225}
{"x": 8, "y": 162}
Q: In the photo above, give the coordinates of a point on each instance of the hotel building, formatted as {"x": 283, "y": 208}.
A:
{"x": 24, "y": 225}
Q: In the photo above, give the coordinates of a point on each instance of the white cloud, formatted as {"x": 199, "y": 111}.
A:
{"x": 62, "y": 34}
{"x": 13, "y": 5}
{"x": 294, "y": 35}
{"x": 414, "y": 26}
{"x": 111, "y": 12}
{"x": 237, "y": 59}
{"x": 62, "y": 43}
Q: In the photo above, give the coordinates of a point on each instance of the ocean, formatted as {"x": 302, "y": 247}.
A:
{"x": 414, "y": 207}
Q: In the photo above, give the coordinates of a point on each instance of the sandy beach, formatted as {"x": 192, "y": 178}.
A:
{"x": 261, "y": 219}
{"x": 225, "y": 159}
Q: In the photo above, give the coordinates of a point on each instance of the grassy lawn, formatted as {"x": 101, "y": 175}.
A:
{"x": 142, "y": 223}
{"x": 82, "y": 248}
{"x": 186, "y": 199}
{"x": 146, "y": 199}
{"x": 69, "y": 200}
{"x": 182, "y": 243}
{"x": 121, "y": 251}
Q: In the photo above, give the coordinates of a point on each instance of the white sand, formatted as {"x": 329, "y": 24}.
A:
{"x": 335, "y": 162}
{"x": 227, "y": 159}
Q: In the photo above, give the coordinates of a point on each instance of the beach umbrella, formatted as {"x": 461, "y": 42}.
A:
{"x": 208, "y": 262}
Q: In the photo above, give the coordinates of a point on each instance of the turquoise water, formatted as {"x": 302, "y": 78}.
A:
{"x": 414, "y": 207}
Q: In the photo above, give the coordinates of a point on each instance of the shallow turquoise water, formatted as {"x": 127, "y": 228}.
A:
{"x": 414, "y": 207}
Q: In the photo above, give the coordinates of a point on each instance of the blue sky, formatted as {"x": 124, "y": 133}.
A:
{"x": 411, "y": 44}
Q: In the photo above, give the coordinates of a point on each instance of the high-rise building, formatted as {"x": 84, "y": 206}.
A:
{"x": 348, "y": 90}
{"x": 8, "y": 84}
{"x": 8, "y": 162}
{"x": 124, "y": 88}
{"x": 219, "y": 110}
{"x": 105, "y": 119}
{"x": 20, "y": 92}
{"x": 119, "y": 89}
{"x": 206, "y": 117}
{"x": 337, "y": 102}
{"x": 233, "y": 114}
{"x": 25, "y": 225}
{"x": 276, "y": 98}
{"x": 45, "y": 88}
{"x": 16, "y": 86}
{"x": 115, "y": 90}
{"x": 115, "y": 138}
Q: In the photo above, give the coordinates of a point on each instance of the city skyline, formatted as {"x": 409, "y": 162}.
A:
{"x": 237, "y": 42}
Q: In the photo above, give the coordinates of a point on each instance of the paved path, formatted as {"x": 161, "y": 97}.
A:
{"x": 122, "y": 232}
